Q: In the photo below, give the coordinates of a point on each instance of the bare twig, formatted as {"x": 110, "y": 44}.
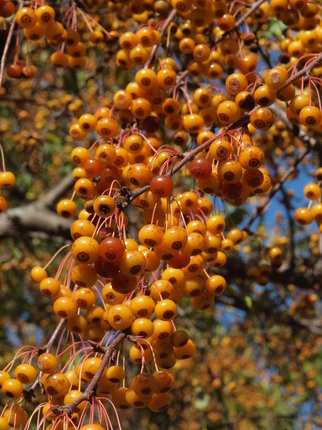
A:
{"x": 241, "y": 20}
{"x": 250, "y": 11}
{"x": 5, "y": 51}
{"x": 163, "y": 30}
{"x": 54, "y": 336}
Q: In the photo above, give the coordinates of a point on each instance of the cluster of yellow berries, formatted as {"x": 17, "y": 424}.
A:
{"x": 7, "y": 180}
{"x": 312, "y": 191}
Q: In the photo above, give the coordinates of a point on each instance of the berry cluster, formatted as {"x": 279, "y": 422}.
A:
{"x": 205, "y": 120}
{"x": 312, "y": 191}
{"x": 39, "y": 24}
{"x": 7, "y": 180}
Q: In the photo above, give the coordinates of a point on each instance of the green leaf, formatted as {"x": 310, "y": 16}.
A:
{"x": 201, "y": 404}
{"x": 318, "y": 379}
{"x": 249, "y": 302}
{"x": 275, "y": 28}
{"x": 238, "y": 216}
{"x": 70, "y": 81}
{"x": 53, "y": 138}
{"x": 123, "y": 77}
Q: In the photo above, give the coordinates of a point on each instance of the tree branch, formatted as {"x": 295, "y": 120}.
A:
{"x": 237, "y": 268}
{"x": 33, "y": 218}
{"x": 37, "y": 217}
{"x": 59, "y": 190}
{"x": 90, "y": 390}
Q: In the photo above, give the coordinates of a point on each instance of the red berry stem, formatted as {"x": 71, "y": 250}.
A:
{"x": 90, "y": 390}
{"x": 304, "y": 71}
{"x": 46, "y": 348}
